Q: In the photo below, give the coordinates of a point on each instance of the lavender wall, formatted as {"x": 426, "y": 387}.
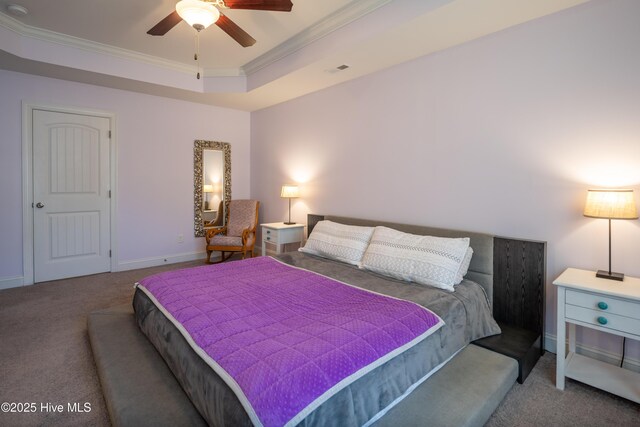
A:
{"x": 155, "y": 165}
{"x": 502, "y": 135}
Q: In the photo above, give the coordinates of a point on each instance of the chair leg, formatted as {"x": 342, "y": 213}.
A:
{"x": 223, "y": 258}
{"x": 209, "y": 257}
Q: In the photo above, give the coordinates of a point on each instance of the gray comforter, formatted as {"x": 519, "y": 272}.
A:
{"x": 465, "y": 312}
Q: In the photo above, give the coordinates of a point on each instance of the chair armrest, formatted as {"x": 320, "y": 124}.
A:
{"x": 213, "y": 232}
{"x": 246, "y": 233}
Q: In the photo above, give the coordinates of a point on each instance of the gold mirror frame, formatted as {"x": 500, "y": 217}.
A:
{"x": 198, "y": 168}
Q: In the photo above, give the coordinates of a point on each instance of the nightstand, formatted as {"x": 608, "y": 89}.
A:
{"x": 279, "y": 233}
{"x": 604, "y": 305}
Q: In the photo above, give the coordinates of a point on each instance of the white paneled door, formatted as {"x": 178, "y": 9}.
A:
{"x": 71, "y": 200}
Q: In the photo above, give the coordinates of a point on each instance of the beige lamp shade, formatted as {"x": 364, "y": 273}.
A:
{"x": 290, "y": 191}
{"x": 207, "y": 188}
{"x": 612, "y": 204}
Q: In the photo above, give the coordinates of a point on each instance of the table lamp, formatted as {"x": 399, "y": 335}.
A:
{"x": 610, "y": 204}
{"x": 207, "y": 188}
{"x": 290, "y": 192}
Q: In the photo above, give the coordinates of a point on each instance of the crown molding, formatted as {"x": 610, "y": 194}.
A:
{"x": 331, "y": 23}
{"x": 222, "y": 72}
{"x": 48, "y": 36}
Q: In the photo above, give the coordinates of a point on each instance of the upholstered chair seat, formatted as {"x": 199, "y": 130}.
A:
{"x": 219, "y": 240}
{"x": 239, "y": 234}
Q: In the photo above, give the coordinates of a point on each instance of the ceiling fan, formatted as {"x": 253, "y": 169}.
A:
{"x": 202, "y": 13}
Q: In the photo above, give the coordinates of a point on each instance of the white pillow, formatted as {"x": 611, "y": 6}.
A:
{"x": 464, "y": 266}
{"x": 427, "y": 260}
{"x": 340, "y": 242}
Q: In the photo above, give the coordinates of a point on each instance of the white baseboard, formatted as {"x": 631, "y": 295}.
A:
{"x": 156, "y": 261}
{"x": 18, "y": 281}
{"x": 550, "y": 344}
{"x": 11, "y": 282}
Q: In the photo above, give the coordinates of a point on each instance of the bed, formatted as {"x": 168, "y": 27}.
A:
{"x": 466, "y": 316}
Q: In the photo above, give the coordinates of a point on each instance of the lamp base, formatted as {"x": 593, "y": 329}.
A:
{"x": 604, "y": 274}
{"x": 291, "y": 223}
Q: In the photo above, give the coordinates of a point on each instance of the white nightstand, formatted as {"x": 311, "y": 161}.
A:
{"x": 604, "y": 305}
{"x": 280, "y": 233}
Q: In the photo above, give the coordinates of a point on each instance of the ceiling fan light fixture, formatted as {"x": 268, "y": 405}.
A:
{"x": 17, "y": 10}
{"x": 198, "y": 14}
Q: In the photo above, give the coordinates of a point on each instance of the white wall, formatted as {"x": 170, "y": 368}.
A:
{"x": 502, "y": 135}
{"x": 154, "y": 138}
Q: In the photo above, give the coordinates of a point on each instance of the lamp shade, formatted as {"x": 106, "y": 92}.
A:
{"x": 611, "y": 204}
{"x": 290, "y": 191}
{"x": 207, "y": 188}
{"x": 198, "y": 14}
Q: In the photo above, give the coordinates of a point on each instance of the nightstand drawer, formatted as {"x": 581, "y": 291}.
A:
{"x": 269, "y": 235}
{"x": 603, "y": 304}
{"x": 602, "y": 319}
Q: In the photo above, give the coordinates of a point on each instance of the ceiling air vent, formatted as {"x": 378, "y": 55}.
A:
{"x": 337, "y": 69}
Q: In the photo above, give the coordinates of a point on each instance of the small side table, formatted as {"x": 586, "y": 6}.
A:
{"x": 604, "y": 305}
{"x": 280, "y": 233}
{"x": 519, "y": 276}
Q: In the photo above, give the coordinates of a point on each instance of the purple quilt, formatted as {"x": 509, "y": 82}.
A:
{"x": 283, "y": 338}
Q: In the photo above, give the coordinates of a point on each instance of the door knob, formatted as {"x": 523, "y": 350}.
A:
{"x": 39, "y": 205}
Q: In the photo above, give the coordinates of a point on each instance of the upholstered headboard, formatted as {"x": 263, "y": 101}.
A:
{"x": 481, "y": 267}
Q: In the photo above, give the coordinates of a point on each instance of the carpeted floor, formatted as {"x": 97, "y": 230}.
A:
{"x": 539, "y": 403}
{"x": 45, "y": 358}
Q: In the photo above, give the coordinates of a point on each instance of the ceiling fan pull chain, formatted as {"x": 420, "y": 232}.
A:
{"x": 196, "y": 57}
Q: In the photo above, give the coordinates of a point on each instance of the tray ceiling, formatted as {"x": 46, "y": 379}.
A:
{"x": 105, "y": 43}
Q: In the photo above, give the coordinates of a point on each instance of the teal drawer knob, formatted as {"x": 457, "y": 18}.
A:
{"x": 268, "y": 238}
{"x": 602, "y": 320}
{"x": 268, "y": 231}
{"x": 602, "y": 305}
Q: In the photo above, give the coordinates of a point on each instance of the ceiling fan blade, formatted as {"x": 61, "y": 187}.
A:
{"x": 236, "y": 33}
{"x": 276, "y": 5}
{"x": 161, "y": 28}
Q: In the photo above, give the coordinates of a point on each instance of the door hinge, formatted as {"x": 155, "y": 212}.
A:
{"x": 109, "y": 193}
{"x": 109, "y": 134}
{"x": 109, "y": 253}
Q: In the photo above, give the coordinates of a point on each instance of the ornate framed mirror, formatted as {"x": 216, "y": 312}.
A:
{"x": 211, "y": 184}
